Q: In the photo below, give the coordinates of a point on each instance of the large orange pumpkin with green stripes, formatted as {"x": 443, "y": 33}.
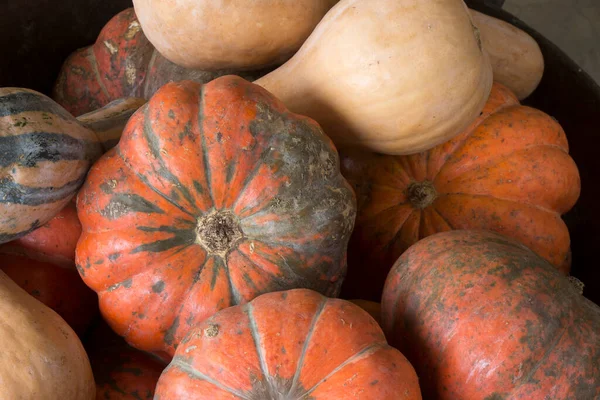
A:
{"x": 215, "y": 194}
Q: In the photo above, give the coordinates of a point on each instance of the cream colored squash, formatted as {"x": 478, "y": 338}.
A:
{"x": 41, "y": 358}
{"x": 219, "y": 34}
{"x": 516, "y": 58}
{"x": 393, "y": 76}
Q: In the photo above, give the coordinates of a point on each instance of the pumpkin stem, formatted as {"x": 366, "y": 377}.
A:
{"x": 421, "y": 194}
{"x": 218, "y": 232}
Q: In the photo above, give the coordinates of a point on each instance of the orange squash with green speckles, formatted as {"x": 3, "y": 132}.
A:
{"x": 509, "y": 172}
{"x": 482, "y": 317}
{"x": 215, "y": 194}
{"x": 294, "y": 344}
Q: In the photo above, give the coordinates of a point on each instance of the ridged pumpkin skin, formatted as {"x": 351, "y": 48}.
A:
{"x": 509, "y": 172}
{"x": 289, "y": 345}
{"x": 122, "y": 63}
{"x": 43, "y": 264}
{"x": 215, "y": 194}
{"x": 120, "y": 371}
{"x": 45, "y": 154}
{"x": 481, "y": 316}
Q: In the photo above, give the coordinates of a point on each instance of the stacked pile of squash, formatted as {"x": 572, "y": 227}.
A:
{"x": 216, "y": 177}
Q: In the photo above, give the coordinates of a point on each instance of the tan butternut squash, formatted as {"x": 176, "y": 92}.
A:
{"x": 517, "y": 60}
{"x": 393, "y": 76}
{"x": 41, "y": 357}
{"x": 219, "y": 34}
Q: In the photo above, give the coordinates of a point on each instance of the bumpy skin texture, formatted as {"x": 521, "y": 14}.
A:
{"x": 120, "y": 371}
{"x": 481, "y": 316}
{"x": 43, "y": 263}
{"x": 509, "y": 172}
{"x": 122, "y": 63}
{"x": 42, "y": 358}
{"x": 291, "y": 345}
{"x": 45, "y": 154}
{"x": 215, "y": 194}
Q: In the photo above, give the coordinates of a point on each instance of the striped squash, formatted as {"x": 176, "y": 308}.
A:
{"x": 44, "y": 157}
{"x": 215, "y": 194}
{"x": 122, "y": 63}
{"x": 109, "y": 121}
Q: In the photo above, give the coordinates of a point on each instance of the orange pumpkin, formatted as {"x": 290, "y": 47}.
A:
{"x": 482, "y": 317}
{"x": 289, "y": 345}
{"x": 509, "y": 172}
{"x": 122, "y": 63}
{"x": 215, "y": 194}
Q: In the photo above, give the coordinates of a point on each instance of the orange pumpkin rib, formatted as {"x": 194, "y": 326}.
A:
{"x": 542, "y": 231}
{"x": 553, "y": 190}
{"x": 262, "y": 185}
{"x": 501, "y": 98}
{"x": 226, "y": 131}
{"x": 255, "y": 252}
{"x": 501, "y": 134}
{"x": 144, "y": 153}
{"x": 146, "y": 295}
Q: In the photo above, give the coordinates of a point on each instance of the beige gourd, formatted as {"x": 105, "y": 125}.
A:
{"x": 41, "y": 358}
{"x": 517, "y": 60}
{"x": 220, "y": 34}
{"x": 393, "y": 76}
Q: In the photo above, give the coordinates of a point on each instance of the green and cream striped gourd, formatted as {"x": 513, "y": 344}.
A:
{"x": 45, "y": 154}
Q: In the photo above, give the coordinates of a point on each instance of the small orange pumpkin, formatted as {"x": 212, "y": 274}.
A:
{"x": 509, "y": 172}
